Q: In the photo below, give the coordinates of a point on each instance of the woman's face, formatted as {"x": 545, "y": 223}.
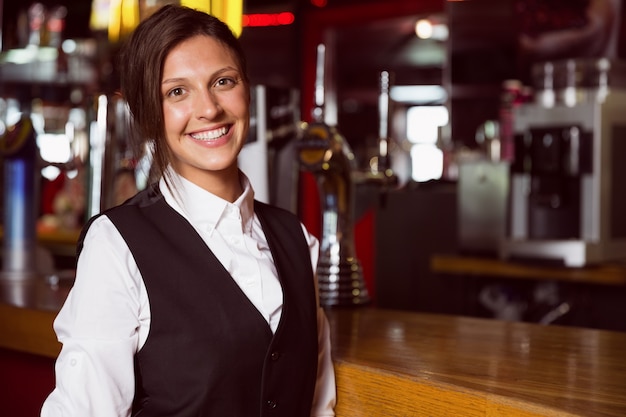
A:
{"x": 205, "y": 109}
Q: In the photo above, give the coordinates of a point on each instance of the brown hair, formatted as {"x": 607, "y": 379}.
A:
{"x": 141, "y": 69}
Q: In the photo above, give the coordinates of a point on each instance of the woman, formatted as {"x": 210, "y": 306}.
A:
{"x": 192, "y": 299}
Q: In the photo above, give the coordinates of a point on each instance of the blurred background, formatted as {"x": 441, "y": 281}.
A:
{"x": 478, "y": 129}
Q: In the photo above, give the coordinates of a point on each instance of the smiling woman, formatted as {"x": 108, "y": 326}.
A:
{"x": 186, "y": 281}
{"x": 205, "y": 108}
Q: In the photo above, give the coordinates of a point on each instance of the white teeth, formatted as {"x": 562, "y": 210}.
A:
{"x": 210, "y": 135}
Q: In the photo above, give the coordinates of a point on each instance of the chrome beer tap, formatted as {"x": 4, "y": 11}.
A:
{"x": 380, "y": 171}
{"x": 323, "y": 151}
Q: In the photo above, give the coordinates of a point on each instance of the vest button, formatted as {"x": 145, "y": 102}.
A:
{"x": 271, "y": 404}
{"x": 275, "y": 355}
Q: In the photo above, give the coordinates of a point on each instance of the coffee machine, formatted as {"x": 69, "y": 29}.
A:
{"x": 567, "y": 192}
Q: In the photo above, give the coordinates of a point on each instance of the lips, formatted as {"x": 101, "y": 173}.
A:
{"x": 210, "y": 135}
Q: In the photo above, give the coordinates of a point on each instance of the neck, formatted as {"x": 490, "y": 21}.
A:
{"x": 224, "y": 184}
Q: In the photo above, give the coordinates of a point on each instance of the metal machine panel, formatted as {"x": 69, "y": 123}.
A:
{"x": 592, "y": 181}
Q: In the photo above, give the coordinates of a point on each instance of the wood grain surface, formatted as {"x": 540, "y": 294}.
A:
{"x": 392, "y": 363}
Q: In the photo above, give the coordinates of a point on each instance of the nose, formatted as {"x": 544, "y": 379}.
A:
{"x": 207, "y": 105}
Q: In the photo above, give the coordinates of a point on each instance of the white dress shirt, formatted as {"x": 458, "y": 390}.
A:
{"x": 106, "y": 317}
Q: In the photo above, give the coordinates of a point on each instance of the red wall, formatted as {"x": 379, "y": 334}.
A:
{"x": 25, "y": 382}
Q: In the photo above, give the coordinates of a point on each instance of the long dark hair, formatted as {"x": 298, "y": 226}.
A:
{"x": 141, "y": 69}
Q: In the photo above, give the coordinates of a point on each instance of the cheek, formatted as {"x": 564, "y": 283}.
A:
{"x": 174, "y": 117}
{"x": 243, "y": 109}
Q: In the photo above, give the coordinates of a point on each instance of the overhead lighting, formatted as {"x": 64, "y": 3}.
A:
{"x": 424, "y": 29}
{"x": 430, "y": 29}
{"x": 120, "y": 17}
{"x": 229, "y": 11}
{"x": 419, "y": 94}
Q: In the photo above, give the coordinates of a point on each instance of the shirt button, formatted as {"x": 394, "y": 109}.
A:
{"x": 271, "y": 404}
{"x": 232, "y": 212}
{"x": 275, "y": 355}
{"x": 235, "y": 240}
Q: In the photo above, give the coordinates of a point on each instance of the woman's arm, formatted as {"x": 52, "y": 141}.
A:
{"x": 325, "y": 396}
{"x": 99, "y": 326}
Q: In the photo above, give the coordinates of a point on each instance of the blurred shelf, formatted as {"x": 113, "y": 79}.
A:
{"x": 58, "y": 241}
{"x": 32, "y": 66}
{"x": 603, "y": 274}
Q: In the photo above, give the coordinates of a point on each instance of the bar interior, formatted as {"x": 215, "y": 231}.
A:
{"x": 463, "y": 178}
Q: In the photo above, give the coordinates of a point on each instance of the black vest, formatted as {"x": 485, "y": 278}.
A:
{"x": 209, "y": 351}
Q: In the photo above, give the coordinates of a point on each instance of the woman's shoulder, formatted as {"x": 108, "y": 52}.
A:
{"x": 272, "y": 210}
{"x": 284, "y": 217}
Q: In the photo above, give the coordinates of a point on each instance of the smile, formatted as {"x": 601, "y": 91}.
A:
{"x": 211, "y": 134}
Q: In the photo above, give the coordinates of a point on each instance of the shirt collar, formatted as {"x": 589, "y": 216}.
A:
{"x": 201, "y": 207}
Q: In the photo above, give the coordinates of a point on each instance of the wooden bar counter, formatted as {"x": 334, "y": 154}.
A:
{"x": 403, "y": 364}
{"x": 392, "y": 363}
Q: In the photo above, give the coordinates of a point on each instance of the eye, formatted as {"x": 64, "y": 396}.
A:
{"x": 175, "y": 92}
{"x": 225, "y": 83}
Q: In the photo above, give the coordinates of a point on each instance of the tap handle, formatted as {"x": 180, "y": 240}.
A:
{"x": 383, "y": 105}
{"x": 318, "y": 111}
{"x": 383, "y": 110}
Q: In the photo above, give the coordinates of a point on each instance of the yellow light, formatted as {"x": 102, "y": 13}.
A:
{"x": 202, "y": 5}
{"x": 229, "y": 11}
{"x": 233, "y": 15}
{"x": 124, "y": 15}
{"x": 99, "y": 19}
{"x": 130, "y": 16}
{"x": 123, "y": 18}
{"x": 115, "y": 17}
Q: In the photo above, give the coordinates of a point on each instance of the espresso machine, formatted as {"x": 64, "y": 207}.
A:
{"x": 567, "y": 191}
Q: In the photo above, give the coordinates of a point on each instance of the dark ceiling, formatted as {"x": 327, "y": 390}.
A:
{"x": 360, "y": 51}
{"x": 363, "y": 50}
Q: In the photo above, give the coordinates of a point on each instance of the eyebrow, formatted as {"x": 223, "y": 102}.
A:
{"x": 218, "y": 72}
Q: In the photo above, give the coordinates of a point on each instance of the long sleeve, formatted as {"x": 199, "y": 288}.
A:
{"x": 99, "y": 327}
{"x": 106, "y": 317}
{"x": 325, "y": 396}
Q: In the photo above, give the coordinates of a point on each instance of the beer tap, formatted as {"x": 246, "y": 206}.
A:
{"x": 323, "y": 151}
{"x": 19, "y": 151}
{"x": 380, "y": 171}
{"x": 383, "y": 130}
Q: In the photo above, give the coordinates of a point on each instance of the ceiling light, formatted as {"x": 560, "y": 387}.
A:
{"x": 431, "y": 29}
{"x": 424, "y": 29}
{"x": 419, "y": 94}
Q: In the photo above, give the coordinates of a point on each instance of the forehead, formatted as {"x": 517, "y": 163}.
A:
{"x": 200, "y": 50}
